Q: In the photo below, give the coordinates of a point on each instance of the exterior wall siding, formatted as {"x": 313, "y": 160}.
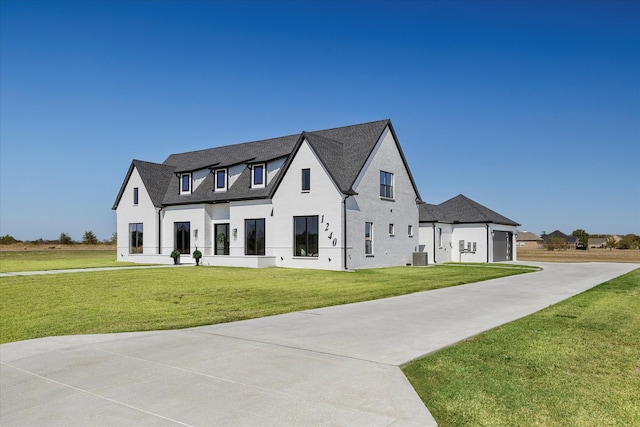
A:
{"x": 368, "y": 206}
{"x": 474, "y": 233}
{"x": 323, "y": 199}
{"x": 430, "y": 242}
{"x": 128, "y": 213}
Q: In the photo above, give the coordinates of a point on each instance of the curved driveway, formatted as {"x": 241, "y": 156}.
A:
{"x": 331, "y": 366}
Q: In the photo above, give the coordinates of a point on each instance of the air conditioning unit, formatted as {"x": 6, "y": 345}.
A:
{"x": 419, "y": 259}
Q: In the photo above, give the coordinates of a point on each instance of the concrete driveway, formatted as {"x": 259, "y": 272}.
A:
{"x": 335, "y": 366}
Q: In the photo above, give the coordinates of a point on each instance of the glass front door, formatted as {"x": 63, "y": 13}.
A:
{"x": 222, "y": 239}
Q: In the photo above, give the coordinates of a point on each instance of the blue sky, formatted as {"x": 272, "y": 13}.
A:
{"x": 530, "y": 108}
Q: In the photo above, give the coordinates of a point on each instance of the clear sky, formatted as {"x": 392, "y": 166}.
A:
{"x": 529, "y": 108}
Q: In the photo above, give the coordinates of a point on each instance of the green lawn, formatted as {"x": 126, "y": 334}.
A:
{"x": 56, "y": 259}
{"x": 167, "y": 298}
{"x": 576, "y": 363}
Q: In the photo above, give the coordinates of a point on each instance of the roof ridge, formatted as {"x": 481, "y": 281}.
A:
{"x": 355, "y": 125}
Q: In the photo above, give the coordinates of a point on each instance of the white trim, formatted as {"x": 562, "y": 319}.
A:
{"x": 182, "y": 191}
{"x": 215, "y": 180}
{"x": 253, "y": 175}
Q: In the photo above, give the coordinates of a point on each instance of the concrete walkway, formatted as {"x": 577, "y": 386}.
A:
{"x": 335, "y": 366}
{"x": 89, "y": 270}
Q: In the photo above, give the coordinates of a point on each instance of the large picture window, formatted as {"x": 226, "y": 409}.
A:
{"x": 386, "y": 184}
{"x": 182, "y": 237}
{"x": 254, "y": 236}
{"x": 305, "y": 230}
{"x": 135, "y": 238}
{"x": 368, "y": 238}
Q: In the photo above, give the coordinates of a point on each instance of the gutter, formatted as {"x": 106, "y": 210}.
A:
{"x": 350, "y": 192}
{"x": 487, "y": 224}
{"x": 160, "y": 231}
{"x": 434, "y": 243}
{"x": 344, "y": 229}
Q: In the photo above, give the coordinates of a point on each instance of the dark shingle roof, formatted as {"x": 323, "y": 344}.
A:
{"x": 461, "y": 209}
{"x": 229, "y": 155}
{"x": 343, "y": 151}
{"x": 559, "y": 234}
{"x": 155, "y": 177}
{"x": 431, "y": 213}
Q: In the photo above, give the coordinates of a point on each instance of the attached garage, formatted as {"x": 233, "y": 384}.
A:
{"x": 502, "y": 246}
{"x": 462, "y": 230}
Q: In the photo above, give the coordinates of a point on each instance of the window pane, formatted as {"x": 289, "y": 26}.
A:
{"x": 135, "y": 238}
{"x": 306, "y": 179}
{"x": 305, "y": 235}
{"x": 368, "y": 238}
{"x": 220, "y": 179}
{"x": 386, "y": 184}
{"x": 222, "y": 239}
{"x": 254, "y": 237}
{"x": 135, "y": 196}
{"x": 300, "y": 231}
{"x": 257, "y": 174}
{"x": 183, "y": 237}
{"x": 250, "y": 237}
{"x": 186, "y": 183}
{"x": 260, "y": 236}
{"x": 312, "y": 233}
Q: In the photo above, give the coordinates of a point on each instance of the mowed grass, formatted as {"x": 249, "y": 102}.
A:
{"x": 576, "y": 363}
{"x": 169, "y": 298}
{"x": 55, "y": 259}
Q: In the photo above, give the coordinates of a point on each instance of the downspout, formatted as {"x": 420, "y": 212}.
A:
{"x": 160, "y": 231}
{"x": 344, "y": 228}
{"x": 487, "y": 224}
{"x": 434, "y": 243}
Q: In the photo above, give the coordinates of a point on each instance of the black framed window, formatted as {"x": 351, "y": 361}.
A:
{"x": 135, "y": 195}
{"x": 182, "y": 237}
{"x": 222, "y": 239}
{"x": 221, "y": 179}
{"x": 305, "y": 235}
{"x": 135, "y": 238}
{"x": 254, "y": 236}
{"x": 258, "y": 176}
{"x": 185, "y": 183}
{"x": 386, "y": 184}
{"x": 306, "y": 179}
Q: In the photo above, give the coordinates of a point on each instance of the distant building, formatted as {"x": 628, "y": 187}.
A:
{"x": 569, "y": 240}
{"x": 528, "y": 240}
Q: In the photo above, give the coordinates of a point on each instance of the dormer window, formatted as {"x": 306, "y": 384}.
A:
{"x": 185, "y": 183}
{"x": 221, "y": 180}
{"x": 257, "y": 176}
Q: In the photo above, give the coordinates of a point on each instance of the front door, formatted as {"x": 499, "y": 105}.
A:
{"x": 222, "y": 239}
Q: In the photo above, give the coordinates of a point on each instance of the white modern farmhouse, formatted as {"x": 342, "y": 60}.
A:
{"x": 335, "y": 199}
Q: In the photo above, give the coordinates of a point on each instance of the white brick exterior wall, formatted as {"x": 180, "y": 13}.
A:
{"x": 368, "y": 206}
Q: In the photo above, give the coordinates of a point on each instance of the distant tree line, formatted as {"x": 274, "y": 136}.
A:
{"x": 629, "y": 241}
{"x": 88, "y": 238}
